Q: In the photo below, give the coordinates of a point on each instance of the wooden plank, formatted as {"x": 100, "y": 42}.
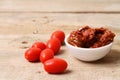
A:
{"x": 60, "y": 6}
{"x": 16, "y": 28}
{"x": 13, "y": 65}
{"x": 20, "y": 23}
{"x": 44, "y": 23}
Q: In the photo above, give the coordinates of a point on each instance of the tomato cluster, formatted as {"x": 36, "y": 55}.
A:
{"x": 45, "y": 53}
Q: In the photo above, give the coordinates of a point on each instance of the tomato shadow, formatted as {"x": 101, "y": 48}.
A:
{"x": 62, "y": 51}
{"x": 64, "y": 73}
{"x": 68, "y": 72}
{"x": 35, "y": 61}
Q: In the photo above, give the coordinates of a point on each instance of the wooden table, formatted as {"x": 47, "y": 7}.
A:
{"x": 34, "y": 20}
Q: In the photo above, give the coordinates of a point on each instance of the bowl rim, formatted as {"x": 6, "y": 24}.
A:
{"x": 75, "y": 47}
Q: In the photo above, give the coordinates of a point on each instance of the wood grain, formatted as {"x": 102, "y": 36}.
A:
{"x": 13, "y": 65}
{"x": 22, "y": 22}
{"x": 60, "y": 6}
{"x": 46, "y": 23}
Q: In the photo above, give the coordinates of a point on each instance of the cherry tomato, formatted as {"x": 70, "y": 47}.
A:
{"x": 58, "y": 34}
{"x": 46, "y": 54}
{"x": 32, "y": 54}
{"x": 55, "y": 65}
{"x": 54, "y": 44}
{"x": 40, "y": 45}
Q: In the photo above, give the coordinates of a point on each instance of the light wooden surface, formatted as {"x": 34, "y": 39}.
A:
{"x": 35, "y": 20}
{"x": 60, "y": 5}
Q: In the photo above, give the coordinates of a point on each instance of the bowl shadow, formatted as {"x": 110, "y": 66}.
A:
{"x": 111, "y": 58}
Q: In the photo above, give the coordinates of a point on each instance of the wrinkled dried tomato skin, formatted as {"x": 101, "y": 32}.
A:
{"x": 87, "y": 37}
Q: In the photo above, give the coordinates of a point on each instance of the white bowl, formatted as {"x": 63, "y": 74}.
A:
{"x": 88, "y": 54}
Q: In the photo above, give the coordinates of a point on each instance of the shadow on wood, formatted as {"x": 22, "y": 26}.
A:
{"x": 112, "y": 58}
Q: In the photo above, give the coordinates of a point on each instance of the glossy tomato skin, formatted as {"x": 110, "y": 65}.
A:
{"x": 54, "y": 44}
{"x": 32, "y": 54}
{"x": 55, "y": 65}
{"x": 40, "y": 45}
{"x": 58, "y": 34}
{"x": 46, "y": 54}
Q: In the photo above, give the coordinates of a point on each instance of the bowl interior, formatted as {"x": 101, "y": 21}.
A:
{"x": 66, "y": 42}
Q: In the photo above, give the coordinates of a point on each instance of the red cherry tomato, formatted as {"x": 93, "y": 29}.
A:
{"x": 54, "y": 44}
{"x": 58, "y": 34}
{"x": 55, "y": 65}
{"x": 46, "y": 54}
{"x": 40, "y": 45}
{"x": 32, "y": 54}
